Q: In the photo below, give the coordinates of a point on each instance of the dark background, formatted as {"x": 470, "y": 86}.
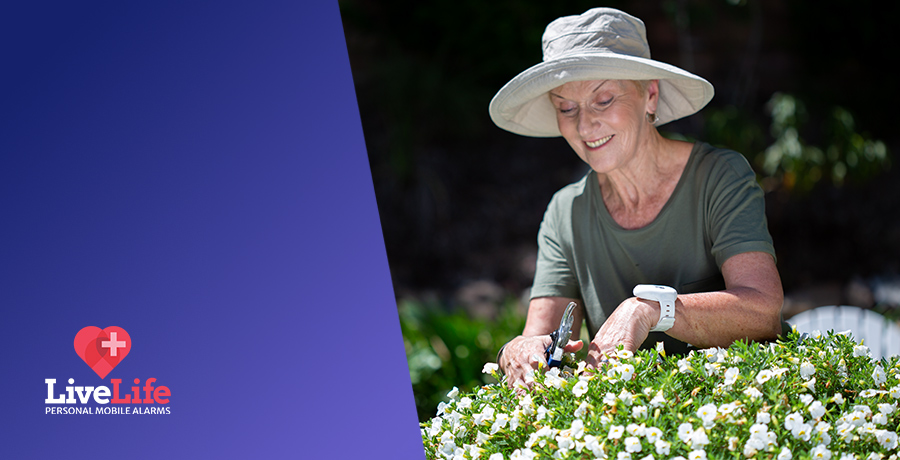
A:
{"x": 460, "y": 200}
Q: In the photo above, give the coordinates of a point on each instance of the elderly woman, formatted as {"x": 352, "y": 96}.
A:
{"x": 651, "y": 210}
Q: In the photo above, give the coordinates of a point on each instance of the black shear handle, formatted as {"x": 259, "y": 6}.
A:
{"x": 554, "y": 353}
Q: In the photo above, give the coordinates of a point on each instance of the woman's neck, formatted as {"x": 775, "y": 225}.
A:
{"x": 637, "y": 192}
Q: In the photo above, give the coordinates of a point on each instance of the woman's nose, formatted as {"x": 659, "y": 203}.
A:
{"x": 586, "y": 122}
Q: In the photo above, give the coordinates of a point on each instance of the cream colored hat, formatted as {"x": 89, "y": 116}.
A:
{"x": 601, "y": 44}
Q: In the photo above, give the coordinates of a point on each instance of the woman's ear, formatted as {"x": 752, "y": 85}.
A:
{"x": 652, "y": 96}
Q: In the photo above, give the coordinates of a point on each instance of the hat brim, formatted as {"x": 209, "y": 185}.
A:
{"x": 523, "y": 107}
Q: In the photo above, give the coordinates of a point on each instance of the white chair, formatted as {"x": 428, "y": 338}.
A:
{"x": 881, "y": 335}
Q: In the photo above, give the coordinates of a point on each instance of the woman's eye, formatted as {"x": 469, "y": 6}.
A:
{"x": 604, "y": 102}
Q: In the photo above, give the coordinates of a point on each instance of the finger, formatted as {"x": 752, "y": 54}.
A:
{"x": 573, "y": 346}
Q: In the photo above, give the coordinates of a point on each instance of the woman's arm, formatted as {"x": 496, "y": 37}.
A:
{"x": 748, "y": 308}
{"x": 523, "y": 353}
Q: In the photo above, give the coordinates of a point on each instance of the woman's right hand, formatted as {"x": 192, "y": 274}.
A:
{"x": 523, "y": 355}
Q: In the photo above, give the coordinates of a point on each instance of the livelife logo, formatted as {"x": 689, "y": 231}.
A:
{"x": 102, "y": 350}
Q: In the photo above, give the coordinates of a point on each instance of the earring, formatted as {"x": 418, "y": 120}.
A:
{"x": 652, "y": 118}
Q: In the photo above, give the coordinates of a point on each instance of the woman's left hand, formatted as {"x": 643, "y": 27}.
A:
{"x": 628, "y": 326}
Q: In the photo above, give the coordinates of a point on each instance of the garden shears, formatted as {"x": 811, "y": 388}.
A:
{"x": 560, "y": 337}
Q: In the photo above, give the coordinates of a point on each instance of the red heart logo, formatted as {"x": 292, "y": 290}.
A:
{"x": 102, "y": 349}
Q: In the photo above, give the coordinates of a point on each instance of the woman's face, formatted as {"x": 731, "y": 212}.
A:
{"x": 604, "y": 120}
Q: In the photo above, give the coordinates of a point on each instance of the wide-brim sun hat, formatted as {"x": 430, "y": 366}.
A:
{"x": 600, "y": 44}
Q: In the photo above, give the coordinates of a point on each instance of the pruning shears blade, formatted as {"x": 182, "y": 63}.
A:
{"x": 561, "y": 336}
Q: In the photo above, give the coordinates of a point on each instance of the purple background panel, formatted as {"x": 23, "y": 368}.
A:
{"x": 195, "y": 173}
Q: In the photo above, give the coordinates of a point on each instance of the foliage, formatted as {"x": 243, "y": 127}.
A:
{"x": 823, "y": 398}
{"x": 846, "y": 154}
{"x": 445, "y": 349}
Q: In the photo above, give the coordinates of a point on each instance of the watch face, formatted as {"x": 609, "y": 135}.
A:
{"x": 655, "y": 292}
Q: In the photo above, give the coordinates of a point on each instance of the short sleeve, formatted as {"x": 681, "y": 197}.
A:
{"x": 737, "y": 214}
{"x": 554, "y": 276}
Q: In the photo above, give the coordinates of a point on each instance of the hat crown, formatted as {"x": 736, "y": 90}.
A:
{"x": 596, "y": 31}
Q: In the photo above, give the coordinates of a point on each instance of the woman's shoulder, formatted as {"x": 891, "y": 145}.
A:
{"x": 574, "y": 194}
{"x": 717, "y": 160}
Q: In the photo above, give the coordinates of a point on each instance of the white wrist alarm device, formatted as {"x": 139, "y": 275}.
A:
{"x": 666, "y": 296}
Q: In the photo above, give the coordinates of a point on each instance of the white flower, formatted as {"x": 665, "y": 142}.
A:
{"x": 486, "y": 415}
{"x": 658, "y": 400}
{"x": 581, "y": 410}
{"x": 807, "y": 370}
{"x": 542, "y": 412}
{"x": 625, "y": 371}
{"x": 496, "y": 456}
{"x": 820, "y": 452}
{"x": 860, "y": 350}
{"x": 565, "y": 442}
{"x": 753, "y": 393}
{"x": 878, "y": 375}
{"x": 453, "y": 393}
{"x": 733, "y": 443}
{"x": 887, "y": 439}
{"x": 490, "y": 368}
{"x": 580, "y": 388}
{"x": 895, "y": 392}
{"x": 481, "y": 438}
{"x": 685, "y": 430}
{"x": 758, "y": 430}
{"x": 623, "y": 456}
{"x": 653, "y": 434}
{"x": 763, "y": 418}
{"x": 698, "y": 454}
{"x": 523, "y": 454}
{"x": 838, "y": 399}
{"x": 726, "y": 409}
{"x": 639, "y": 412}
{"x": 609, "y": 399}
{"x": 576, "y": 429}
{"x": 763, "y": 376}
{"x": 879, "y": 419}
{"x": 499, "y": 423}
{"x": 464, "y": 403}
{"x": 887, "y": 409}
{"x": 731, "y": 375}
{"x": 626, "y": 397}
{"x": 699, "y": 438}
{"x": 845, "y": 431}
{"x": 632, "y": 444}
{"x": 868, "y": 393}
{"x": 515, "y": 420}
{"x": 810, "y": 384}
{"x": 785, "y": 454}
{"x": 806, "y": 399}
{"x": 816, "y": 410}
{"x": 615, "y": 432}
{"x": 793, "y": 419}
{"x": 662, "y": 446}
{"x": 634, "y": 429}
{"x": 707, "y": 413}
{"x": 593, "y": 444}
{"x": 848, "y": 456}
{"x": 801, "y": 431}
{"x": 553, "y": 380}
{"x": 684, "y": 366}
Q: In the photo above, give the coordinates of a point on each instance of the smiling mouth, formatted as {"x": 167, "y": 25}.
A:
{"x": 598, "y": 142}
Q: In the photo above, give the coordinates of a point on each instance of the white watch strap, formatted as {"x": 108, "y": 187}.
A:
{"x": 666, "y": 316}
{"x": 666, "y": 296}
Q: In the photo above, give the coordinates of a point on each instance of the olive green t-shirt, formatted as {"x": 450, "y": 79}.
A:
{"x": 716, "y": 211}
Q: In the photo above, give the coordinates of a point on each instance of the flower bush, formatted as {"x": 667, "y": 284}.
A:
{"x": 822, "y": 397}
